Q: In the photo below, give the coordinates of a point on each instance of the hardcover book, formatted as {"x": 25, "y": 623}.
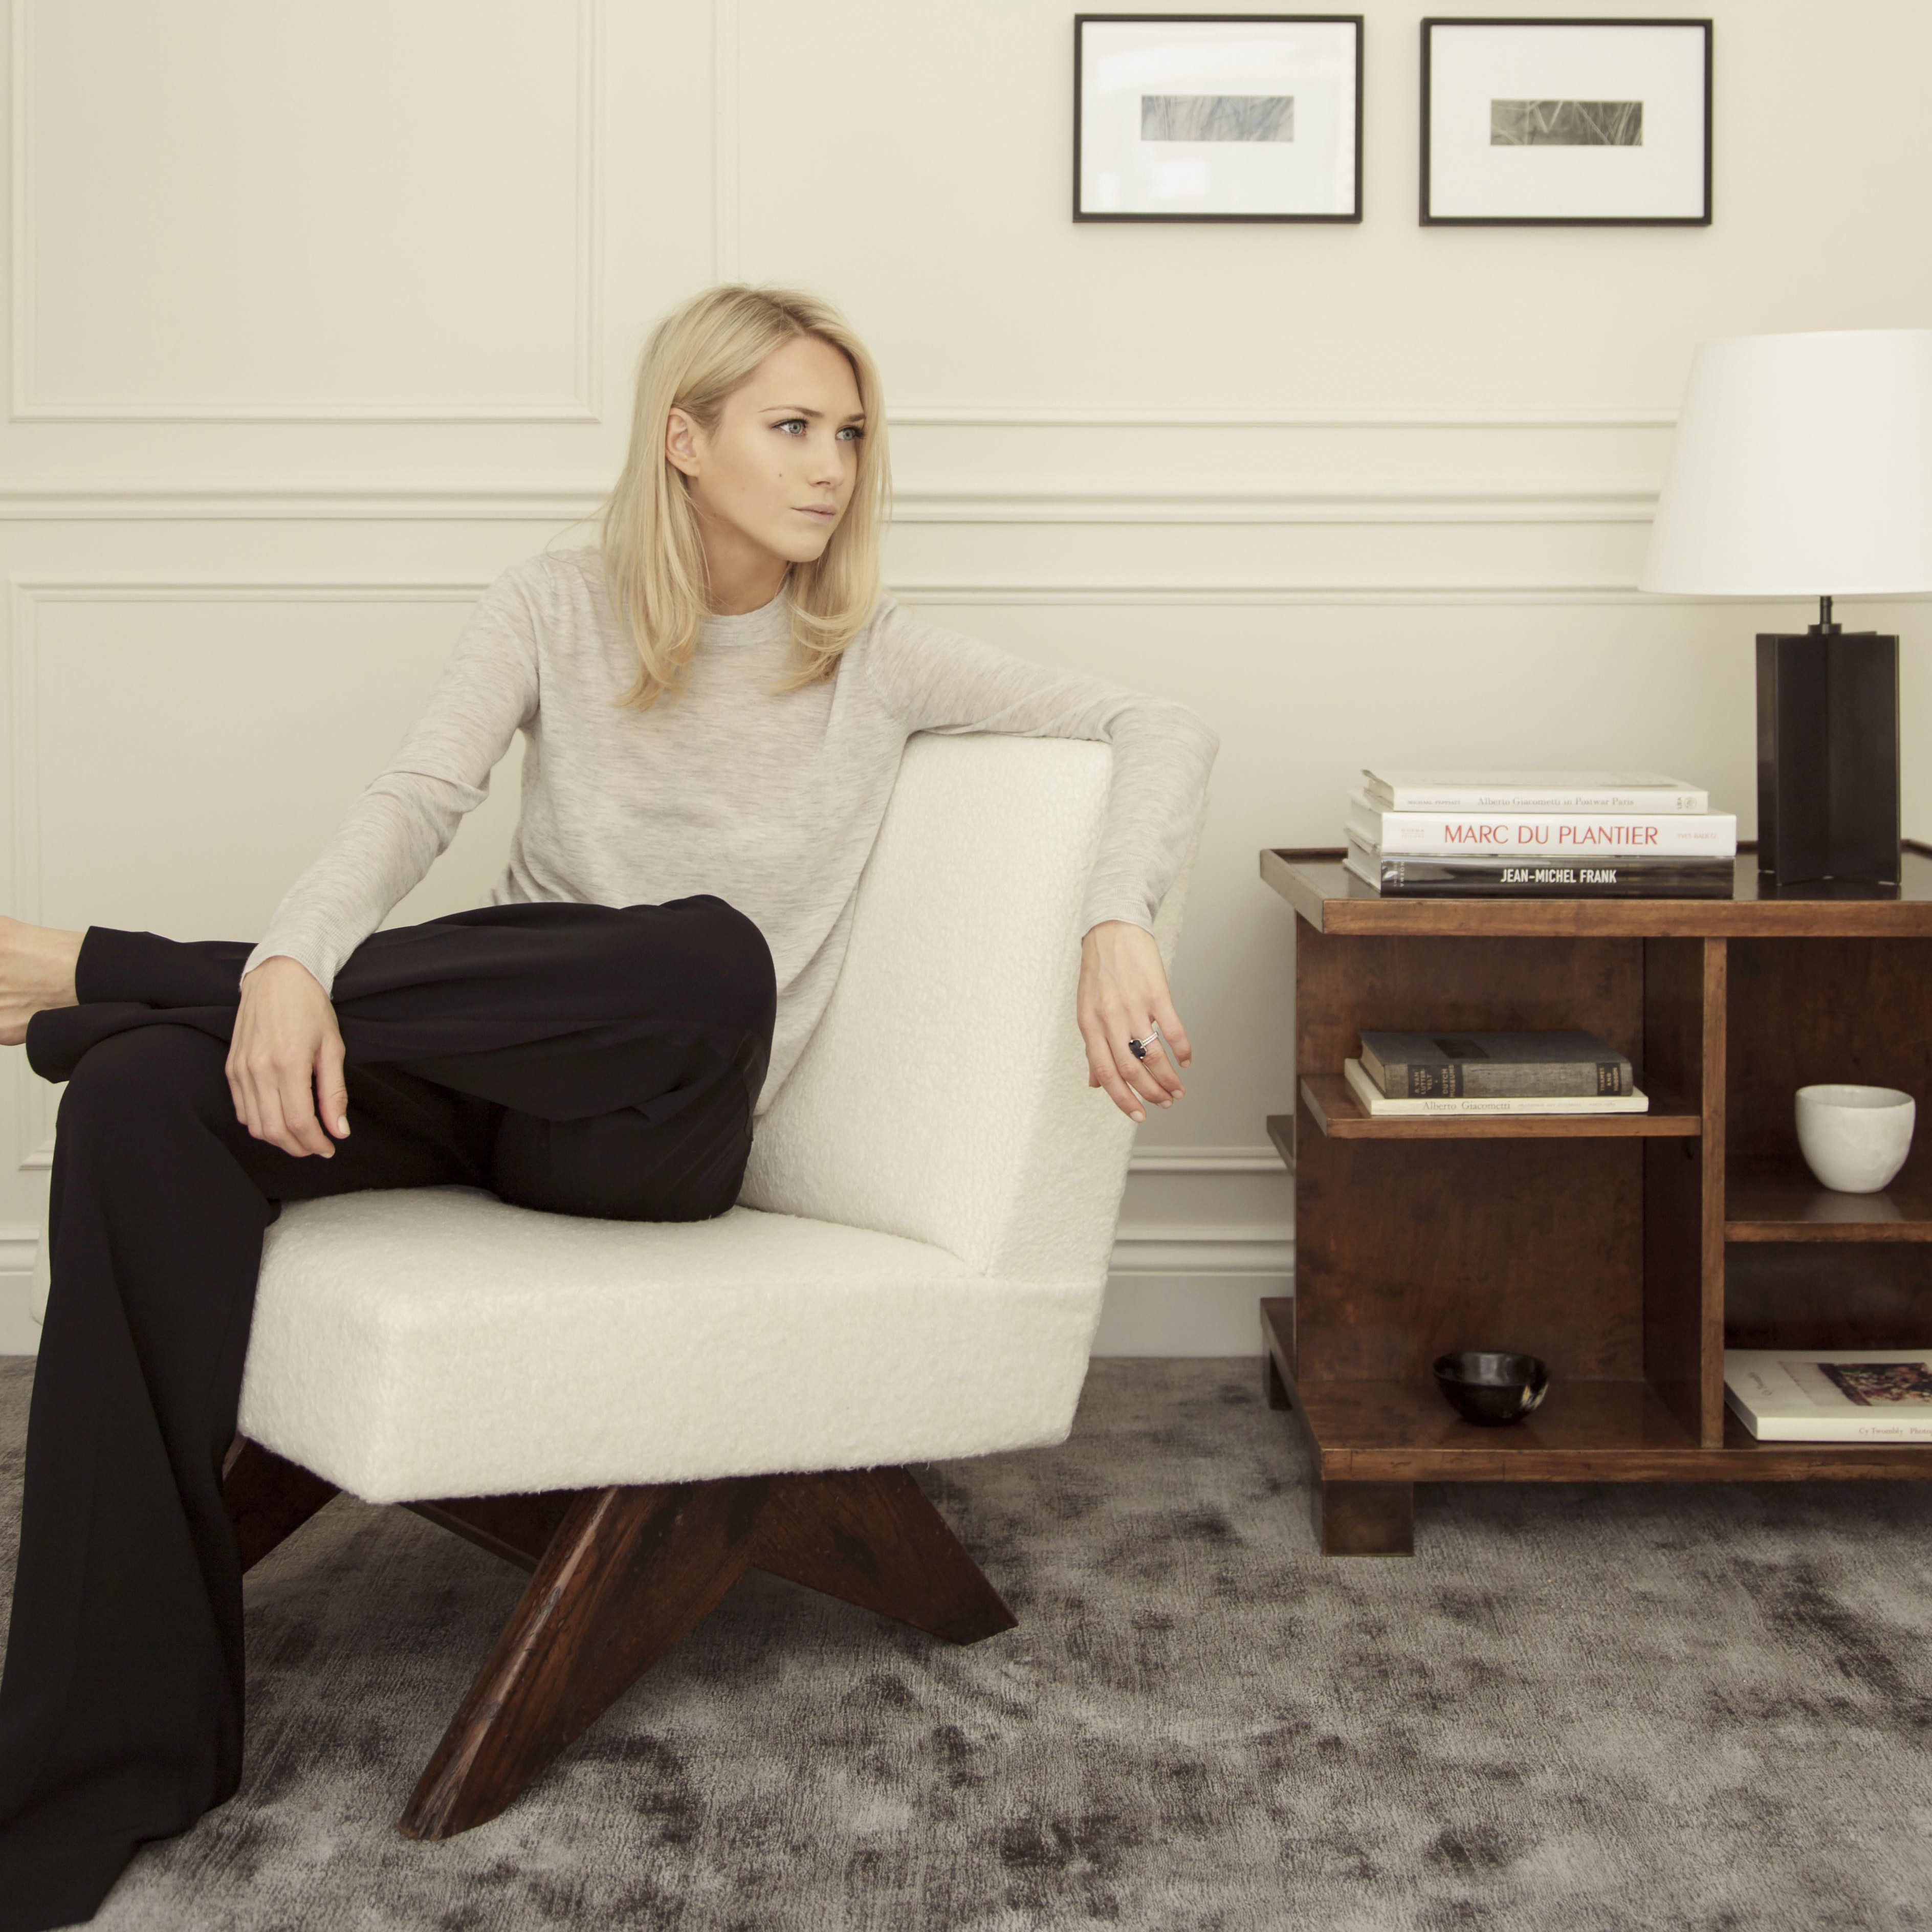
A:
{"x": 1832, "y": 1395}
{"x": 1534, "y": 834}
{"x": 1542, "y": 878}
{"x": 1496, "y": 1066}
{"x": 1373, "y": 1101}
{"x": 1533, "y": 791}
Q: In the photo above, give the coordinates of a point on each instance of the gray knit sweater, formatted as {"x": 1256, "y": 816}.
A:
{"x": 771, "y": 802}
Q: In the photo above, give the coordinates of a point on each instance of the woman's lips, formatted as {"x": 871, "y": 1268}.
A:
{"x": 823, "y": 516}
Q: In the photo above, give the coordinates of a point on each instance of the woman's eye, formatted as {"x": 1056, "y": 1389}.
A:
{"x": 857, "y": 434}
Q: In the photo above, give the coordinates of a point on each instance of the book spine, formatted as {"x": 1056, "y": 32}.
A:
{"x": 1428, "y": 834}
{"x": 1606, "y": 878}
{"x": 1376, "y": 1103}
{"x": 1454, "y": 1109}
{"x": 1468, "y": 798}
{"x": 1506, "y": 1080}
{"x": 1828, "y": 1428}
{"x": 1379, "y": 1105}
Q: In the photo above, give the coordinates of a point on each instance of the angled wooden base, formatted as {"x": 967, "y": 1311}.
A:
{"x": 517, "y": 1528}
{"x": 619, "y": 1575}
{"x": 268, "y": 1498}
{"x": 628, "y": 1572}
{"x": 869, "y": 1537}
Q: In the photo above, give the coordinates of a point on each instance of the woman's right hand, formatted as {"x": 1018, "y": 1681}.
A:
{"x": 285, "y": 1060}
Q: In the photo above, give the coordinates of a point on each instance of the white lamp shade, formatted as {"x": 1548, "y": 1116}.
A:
{"x": 1801, "y": 467}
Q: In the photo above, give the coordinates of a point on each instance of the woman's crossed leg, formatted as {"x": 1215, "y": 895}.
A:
{"x": 578, "y": 1059}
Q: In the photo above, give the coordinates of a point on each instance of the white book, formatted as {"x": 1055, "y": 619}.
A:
{"x": 1408, "y": 790}
{"x": 1372, "y": 1100}
{"x": 1831, "y": 1395}
{"x": 1352, "y": 861}
{"x": 1529, "y": 834}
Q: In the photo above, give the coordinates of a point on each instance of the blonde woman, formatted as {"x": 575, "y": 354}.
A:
{"x": 715, "y": 698}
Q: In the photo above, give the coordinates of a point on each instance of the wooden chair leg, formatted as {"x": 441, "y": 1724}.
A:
{"x": 870, "y": 1536}
{"x": 628, "y": 1572}
{"x": 268, "y": 1498}
{"x": 517, "y": 1528}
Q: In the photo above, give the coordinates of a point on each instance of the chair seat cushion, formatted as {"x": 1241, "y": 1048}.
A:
{"x": 417, "y": 1343}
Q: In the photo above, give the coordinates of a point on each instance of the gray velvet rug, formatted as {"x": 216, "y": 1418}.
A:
{"x": 1576, "y": 1707}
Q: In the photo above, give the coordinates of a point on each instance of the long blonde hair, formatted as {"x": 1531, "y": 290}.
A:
{"x": 654, "y": 568}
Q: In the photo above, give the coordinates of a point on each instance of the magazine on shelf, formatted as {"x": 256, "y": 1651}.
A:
{"x": 1407, "y": 791}
{"x": 1830, "y": 1395}
{"x": 1373, "y": 1101}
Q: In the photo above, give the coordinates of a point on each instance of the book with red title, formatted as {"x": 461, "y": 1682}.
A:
{"x": 1445, "y": 834}
{"x": 1515, "y": 791}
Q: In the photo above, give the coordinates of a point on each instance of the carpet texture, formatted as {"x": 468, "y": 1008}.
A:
{"x": 1689, "y": 1706}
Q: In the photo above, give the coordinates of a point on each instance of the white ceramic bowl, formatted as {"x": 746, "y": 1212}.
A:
{"x": 1855, "y": 1138}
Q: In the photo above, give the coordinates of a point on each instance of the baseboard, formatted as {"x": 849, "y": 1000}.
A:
{"x": 19, "y": 1291}
{"x": 1192, "y": 1289}
{"x": 1182, "y": 1315}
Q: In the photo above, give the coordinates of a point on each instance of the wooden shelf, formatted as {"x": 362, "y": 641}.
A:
{"x": 1628, "y": 1250}
{"x": 1582, "y": 1432}
{"x": 1332, "y": 1102}
{"x": 1381, "y": 1432}
{"x": 1332, "y": 899}
{"x": 1782, "y": 1203}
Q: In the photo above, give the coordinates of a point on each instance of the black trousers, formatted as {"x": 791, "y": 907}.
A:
{"x": 582, "y": 1059}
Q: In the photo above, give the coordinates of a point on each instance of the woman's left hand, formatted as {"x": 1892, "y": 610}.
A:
{"x": 1123, "y": 988}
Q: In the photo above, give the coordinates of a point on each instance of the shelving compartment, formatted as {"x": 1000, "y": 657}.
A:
{"x": 1575, "y": 1238}
{"x": 1805, "y": 1267}
{"x": 1802, "y": 1011}
{"x": 1701, "y": 1229}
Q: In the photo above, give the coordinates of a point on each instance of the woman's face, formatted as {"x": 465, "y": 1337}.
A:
{"x": 772, "y": 484}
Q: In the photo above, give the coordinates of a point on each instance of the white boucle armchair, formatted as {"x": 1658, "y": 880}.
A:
{"x": 639, "y": 1411}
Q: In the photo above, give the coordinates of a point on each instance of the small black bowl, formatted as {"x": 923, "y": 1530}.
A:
{"x": 1492, "y": 1386}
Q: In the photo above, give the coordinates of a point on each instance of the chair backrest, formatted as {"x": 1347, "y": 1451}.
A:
{"x": 944, "y": 1095}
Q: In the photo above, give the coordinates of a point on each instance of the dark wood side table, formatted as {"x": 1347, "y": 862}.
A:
{"x": 1626, "y": 1250}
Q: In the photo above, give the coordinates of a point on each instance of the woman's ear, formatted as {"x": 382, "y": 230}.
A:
{"x": 679, "y": 443}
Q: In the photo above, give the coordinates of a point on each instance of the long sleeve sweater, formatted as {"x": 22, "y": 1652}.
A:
{"x": 772, "y": 801}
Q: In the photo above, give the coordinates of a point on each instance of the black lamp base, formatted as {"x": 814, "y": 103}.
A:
{"x": 1828, "y": 756}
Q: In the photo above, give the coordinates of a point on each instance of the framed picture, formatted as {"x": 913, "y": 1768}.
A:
{"x": 1585, "y": 123}
{"x": 1217, "y": 117}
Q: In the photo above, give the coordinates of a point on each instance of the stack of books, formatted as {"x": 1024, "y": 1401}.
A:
{"x": 1534, "y": 835}
{"x": 1420, "y": 1074}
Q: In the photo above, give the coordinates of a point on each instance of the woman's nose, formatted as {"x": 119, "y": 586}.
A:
{"x": 826, "y": 464}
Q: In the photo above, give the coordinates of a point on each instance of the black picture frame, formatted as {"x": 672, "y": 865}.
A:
{"x": 1080, "y": 21}
{"x": 1433, "y": 220}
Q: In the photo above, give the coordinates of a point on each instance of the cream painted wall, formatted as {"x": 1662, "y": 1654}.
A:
{"x": 319, "y": 314}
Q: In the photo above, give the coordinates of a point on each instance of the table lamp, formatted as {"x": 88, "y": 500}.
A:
{"x": 1802, "y": 467}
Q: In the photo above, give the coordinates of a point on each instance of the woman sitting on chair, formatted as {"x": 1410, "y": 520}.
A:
{"x": 715, "y": 699}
